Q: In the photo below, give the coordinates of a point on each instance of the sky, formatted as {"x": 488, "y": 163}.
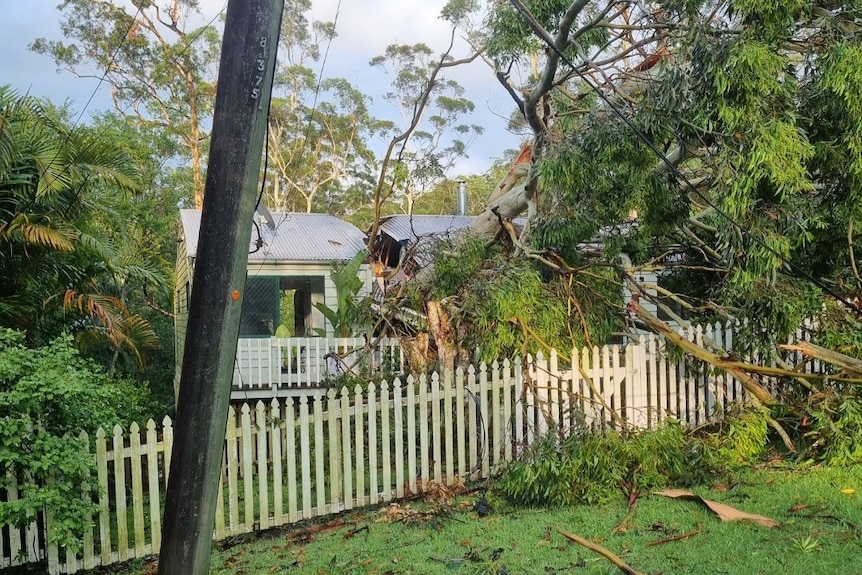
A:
{"x": 365, "y": 28}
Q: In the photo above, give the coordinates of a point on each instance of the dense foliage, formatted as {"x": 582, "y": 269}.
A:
{"x": 757, "y": 110}
{"x": 48, "y": 395}
{"x": 85, "y": 249}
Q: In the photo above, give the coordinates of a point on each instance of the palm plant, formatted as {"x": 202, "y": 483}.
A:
{"x": 63, "y": 248}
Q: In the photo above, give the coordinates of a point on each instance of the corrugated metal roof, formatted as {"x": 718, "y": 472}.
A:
{"x": 297, "y": 237}
{"x": 412, "y": 227}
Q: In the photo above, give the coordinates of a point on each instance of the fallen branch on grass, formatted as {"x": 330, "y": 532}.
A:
{"x": 606, "y": 553}
{"x": 680, "y": 537}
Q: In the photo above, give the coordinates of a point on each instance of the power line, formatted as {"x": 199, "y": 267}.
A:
{"x": 547, "y": 39}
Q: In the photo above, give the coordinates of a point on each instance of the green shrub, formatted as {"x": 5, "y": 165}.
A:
{"x": 834, "y": 429}
{"x": 48, "y": 395}
{"x": 593, "y": 467}
{"x": 741, "y": 438}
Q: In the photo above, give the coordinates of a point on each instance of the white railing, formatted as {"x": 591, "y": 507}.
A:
{"x": 266, "y": 366}
{"x": 294, "y": 458}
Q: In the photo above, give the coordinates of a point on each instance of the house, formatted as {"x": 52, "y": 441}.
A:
{"x": 289, "y": 262}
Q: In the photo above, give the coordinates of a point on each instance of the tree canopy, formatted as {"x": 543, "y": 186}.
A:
{"x": 714, "y": 142}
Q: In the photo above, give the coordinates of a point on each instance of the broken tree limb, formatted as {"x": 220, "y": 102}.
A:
{"x": 735, "y": 368}
{"x": 606, "y": 553}
{"x": 850, "y": 365}
{"x": 517, "y": 170}
{"x": 680, "y": 537}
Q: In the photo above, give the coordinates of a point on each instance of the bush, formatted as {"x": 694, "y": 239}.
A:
{"x": 48, "y": 395}
{"x": 834, "y": 428}
{"x": 592, "y": 467}
{"x": 741, "y": 438}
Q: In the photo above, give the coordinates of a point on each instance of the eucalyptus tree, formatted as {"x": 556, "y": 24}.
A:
{"x": 319, "y": 127}
{"x": 159, "y": 59}
{"x": 429, "y": 134}
{"x": 714, "y": 142}
{"x": 755, "y": 110}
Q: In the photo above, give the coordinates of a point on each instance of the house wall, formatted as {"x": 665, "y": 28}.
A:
{"x": 182, "y": 293}
{"x": 649, "y": 277}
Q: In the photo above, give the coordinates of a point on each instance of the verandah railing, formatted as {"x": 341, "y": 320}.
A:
{"x": 265, "y": 366}
{"x": 301, "y": 457}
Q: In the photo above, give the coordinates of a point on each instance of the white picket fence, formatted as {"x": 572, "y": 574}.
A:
{"x": 296, "y": 458}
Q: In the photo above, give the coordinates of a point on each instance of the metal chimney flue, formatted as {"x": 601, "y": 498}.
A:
{"x": 462, "y": 198}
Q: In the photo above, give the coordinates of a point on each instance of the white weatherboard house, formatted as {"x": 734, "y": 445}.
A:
{"x": 287, "y": 275}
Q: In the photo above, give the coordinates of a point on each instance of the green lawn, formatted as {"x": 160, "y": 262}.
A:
{"x": 818, "y": 510}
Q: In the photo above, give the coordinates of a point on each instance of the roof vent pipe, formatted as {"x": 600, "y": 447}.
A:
{"x": 462, "y": 198}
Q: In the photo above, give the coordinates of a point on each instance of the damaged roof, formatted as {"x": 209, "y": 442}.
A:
{"x": 295, "y": 237}
{"x": 409, "y": 228}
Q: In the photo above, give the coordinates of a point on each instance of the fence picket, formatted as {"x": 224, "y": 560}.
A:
{"x": 135, "y": 454}
{"x": 449, "y": 439}
{"x": 275, "y": 455}
{"x": 424, "y": 449}
{"x": 290, "y": 458}
{"x": 399, "y": 439}
{"x": 519, "y": 413}
{"x": 436, "y": 428}
{"x": 359, "y": 445}
{"x": 153, "y": 486}
{"x": 460, "y": 423}
{"x": 346, "y": 459}
{"x": 373, "y": 486}
{"x": 246, "y": 470}
{"x": 120, "y": 495}
{"x": 507, "y": 410}
{"x": 104, "y": 510}
{"x": 411, "y": 434}
{"x": 305, "y": 457}
{"x": 386, "y": 488}
{"x": 319, "y": 454}
{"x": 486, "y": 417}
{"x": 232, "y": 471}
{"x": 336, "y": 496}
{"x": 472, "y": 423}
{"x": 496, "y": 412}
{"x": 262, "y": 429}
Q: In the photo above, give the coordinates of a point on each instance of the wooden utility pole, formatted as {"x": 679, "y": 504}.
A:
{"x": 239, "y": 124}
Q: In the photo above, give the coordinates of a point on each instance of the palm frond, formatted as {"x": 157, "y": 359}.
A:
{"x": 39, "y": 234}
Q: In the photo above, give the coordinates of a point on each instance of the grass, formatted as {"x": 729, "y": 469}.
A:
{"x": 818, "y": 510}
